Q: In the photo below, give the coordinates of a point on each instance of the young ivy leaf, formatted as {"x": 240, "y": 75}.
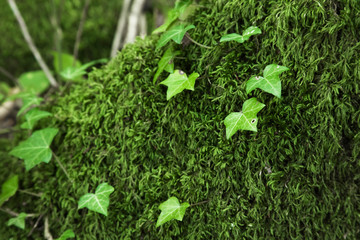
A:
{"x": 36, "y": 148}
{"x": 18, "y": 221}
{"x": 72, "y": 73}
{"x": 247, "y": 33}
{"x": 166, "y": 63}
{"x": 244, "y": 120}
{"x": 98, "y": 202}
{"x": 28, "y": 101}
{"x": 171, "y": 209}
{"x": 34, "y": 82}
{"x": 176, "y": 33}
{"x": 33, "y": 116}
{"x": 67, "y": 234}
{"x": 8, "y": 189}
{"x": 270, "y": 82}
{"x": 178, "y": 81}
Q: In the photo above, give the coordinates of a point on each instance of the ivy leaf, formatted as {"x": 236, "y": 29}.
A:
{"x": 176, "y": 33}
{"x": 166, "y": 63}
{"x": 270, "y": 82}
{"x": 18, "y": 221}
{"x": 8, "y": 189}
{"x": 34, "y": 82}
{"x": 178, "y": 81}
{"x": 36, "y": 148}
{"x": 67, "y": 234}
{"x": 28, "y": 101}
{"x": 171, "y": 209}
{"x": 65, "y": 59}
{"x": 247, "y": 33}
{"x": 244, "y": 120}
{"x": 98, "y": 202}
{"x": 72, "y": 73}
{"x": 33, "y": 116}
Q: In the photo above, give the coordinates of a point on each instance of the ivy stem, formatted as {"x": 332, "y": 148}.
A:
{"x": 62, "y": 167}
{"x": 30, "y": 193}
{"x": 199, "y": 44}
{"x": 199, "y": 203}
{"x": 15, "y": 214}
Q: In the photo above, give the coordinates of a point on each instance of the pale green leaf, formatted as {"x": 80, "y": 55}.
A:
{"x": 270, "y": 82}
{"x": 34, "y": 82}
{"x": 176, "y": 34}
{"x": 72, "y": 73}
{"x": 178, "y": 82}
{"x": 36, "y": 148}
{"x": 28, "y": 101}
{"x": 33, "y": 116}
{"x": 66, "y": 235}
{"x": 247, "y": 33}
{"x": 8, "y": 189}
{"x": 166, "y": 63}
{"x": 1, "y": 97}
{"x": 18, "y": 221}
{"x": 171, "y": 209}
{"x": 98, "y": 202}
{"x": 244, "y": 120}
{"x": 65, "y": 60}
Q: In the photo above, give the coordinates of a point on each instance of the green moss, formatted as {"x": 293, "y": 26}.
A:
{"x": 297, "y": 178}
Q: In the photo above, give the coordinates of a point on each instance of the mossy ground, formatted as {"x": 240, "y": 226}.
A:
{"x": 297, "y": 178}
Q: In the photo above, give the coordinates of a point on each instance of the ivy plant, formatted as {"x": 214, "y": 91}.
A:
{"x": 73, "y": 73}
{"x": 178, "y": 82}
{"x": 34, "y": 82}
{"x": 171, "y": 209}
{"x": 33, "y": 116}
{"x": 176, "y": 34}
{"x": 8, "y": 189}
{"x": 244, "y": 120}
{"x": 18, "y": 221}
{"x": 36, "y": 148}
{"x": 270, "y": 82}
{"x": 166, "y": 63}
{"x": 247, "y": 33}
{"x": 66, "y": 235}
{"x": 98, "y": 202}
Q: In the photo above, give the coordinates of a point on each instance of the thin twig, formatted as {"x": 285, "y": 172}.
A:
{"x": 8, "y": 75}
{"x": 31, "y": 44}
{"x": 15, "y": 214}
{"x": 62, "y": 167}
{"x": 199, "y": 44}
{"x": 35, "y": 225}
{"x": 199, "y": 203}
{"x": 30, "y": 193}
{"x": 120, "y": 28}
{"x": 80, "y": 31}
{"x": 135, "y": 13}
{"x": 47, "y": 233}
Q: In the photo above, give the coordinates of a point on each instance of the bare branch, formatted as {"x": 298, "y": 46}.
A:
{"x": 31, "y": 44}
{"x": 80, "y": 30}
{"x": 120, "y": 28}
{"x": 134, "y": 17}
{"x": 142, "y": 25}
{"x": 35, "y": 225}
{"x": 47, "y": 233}
{"x": 8, "y": 75}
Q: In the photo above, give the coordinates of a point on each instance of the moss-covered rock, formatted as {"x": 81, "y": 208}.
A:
{"x": 297, "y": 178}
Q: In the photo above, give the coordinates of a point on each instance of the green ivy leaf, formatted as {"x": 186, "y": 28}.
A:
{"x": 178, "y": 81}
{"x": 72, "y": 73}
{"x": 66, "y": 61}
{"x": 171, "y": 209}
{"x": 176, "y": 33}
{"x": 247, "y": 33}
{"x": 34, "y": 82}
{"x": 67, "y": 234}
{"x": 28, "y": 101}
{"x": 18, "y": 221}
{"x": 244, "y": 120}
{"x": 8, "y": 189}
{"x": 36, "y": 148}
{"x": 270, "y": 82}
{"x": 173, "y": 15}
{"x": 33, "y": 116}
{"x": 166, "y": 63}
{"x": 98, "y": 202}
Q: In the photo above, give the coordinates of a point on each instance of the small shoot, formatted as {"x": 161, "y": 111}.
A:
{"x": 247, "y": 33}
{"x": 29, "y": 100}
{"x": 33, "y": 116}
{"x": 36, "y": 148}
{"x": 8, "y": 189}
{"x": 171, "y": 209}
{"x": 73, "y": 73}
{"x": 63, "y": 61}
{"x": 244, "y": 120}
{"x": 178, "y": 82}
{"x": 176, "y": 34}
{"x": 98, "y": 202}
{"x": 270, "y": 82}
{"x": 166, "y": 63}
{"x": 18, "y": 221}
{"x": 66, "y": 235}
